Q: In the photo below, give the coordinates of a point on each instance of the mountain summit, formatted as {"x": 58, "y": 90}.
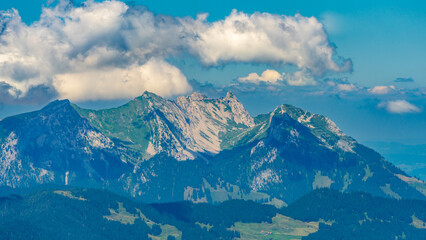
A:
{"x": 185, "y": 128}
{"x": 193, "y": 148}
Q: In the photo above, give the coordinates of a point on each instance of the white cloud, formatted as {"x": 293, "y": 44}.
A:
{"x": 71, "y": 49}
{"x": 268, "y": 76}
{"x": 299, "y": 78}
{"x": 113, "y": 83}
{"x": 100, "y": 51}
{"x": 399, "y": 106}
{"x": 381, "y": 90}
{"x": 264, "y": 37}
{"x": 346, "y": 87}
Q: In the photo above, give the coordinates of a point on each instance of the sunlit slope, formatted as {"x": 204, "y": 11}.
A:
{"x": 193, "y": 148}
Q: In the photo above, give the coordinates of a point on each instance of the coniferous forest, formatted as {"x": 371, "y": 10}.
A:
{"x": 75, "y": 213}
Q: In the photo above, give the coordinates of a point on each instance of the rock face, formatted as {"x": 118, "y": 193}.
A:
{"x": 192, "y": 148}
{"x": 56, "y": 145}
{"x": 184, "y": 129}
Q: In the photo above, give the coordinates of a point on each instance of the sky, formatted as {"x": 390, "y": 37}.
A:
{"x": 360, "y": 63}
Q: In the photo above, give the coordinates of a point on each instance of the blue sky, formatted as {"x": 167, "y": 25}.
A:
{"x": 383, "y": 40}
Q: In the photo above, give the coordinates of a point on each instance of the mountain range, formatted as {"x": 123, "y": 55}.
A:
{"x": 193, "y": 148}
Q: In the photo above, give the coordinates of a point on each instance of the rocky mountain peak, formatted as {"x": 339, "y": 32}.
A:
{"x": 240, "y": 114}
{"x": 321, "y": 126}
{"x": 197, "y": 96}
{"x": 149, "y": 96}
{"x": 57, "y": 104}
{"x": 230, "y": 95}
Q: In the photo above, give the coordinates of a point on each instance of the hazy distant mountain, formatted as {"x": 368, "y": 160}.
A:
{"x": 193, "y": 148}
{"x": 410, "y": 158}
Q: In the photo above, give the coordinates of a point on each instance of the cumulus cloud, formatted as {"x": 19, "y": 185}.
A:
{"x": 114, "y": 83}
{"x": 268, "y": 76}
{"x": 404, "y": 80}
{"x": 100, "y": 50}
{"x": 298, "y": 78}
{"x": 264, "y": 37}
{"x": 105, "y": 50}
{"x": 346, "y": 87}
{"x": 399, "y": 106}
{"x": 381, "y": 90}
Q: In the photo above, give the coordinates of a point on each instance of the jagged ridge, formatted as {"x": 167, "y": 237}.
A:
{"x": 182, "y": 128}
{"x": 140, "y": 149}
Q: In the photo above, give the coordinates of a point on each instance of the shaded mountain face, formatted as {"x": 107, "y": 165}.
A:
{"x": 193, "y": 148}
{"x": 56, "y": 145}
